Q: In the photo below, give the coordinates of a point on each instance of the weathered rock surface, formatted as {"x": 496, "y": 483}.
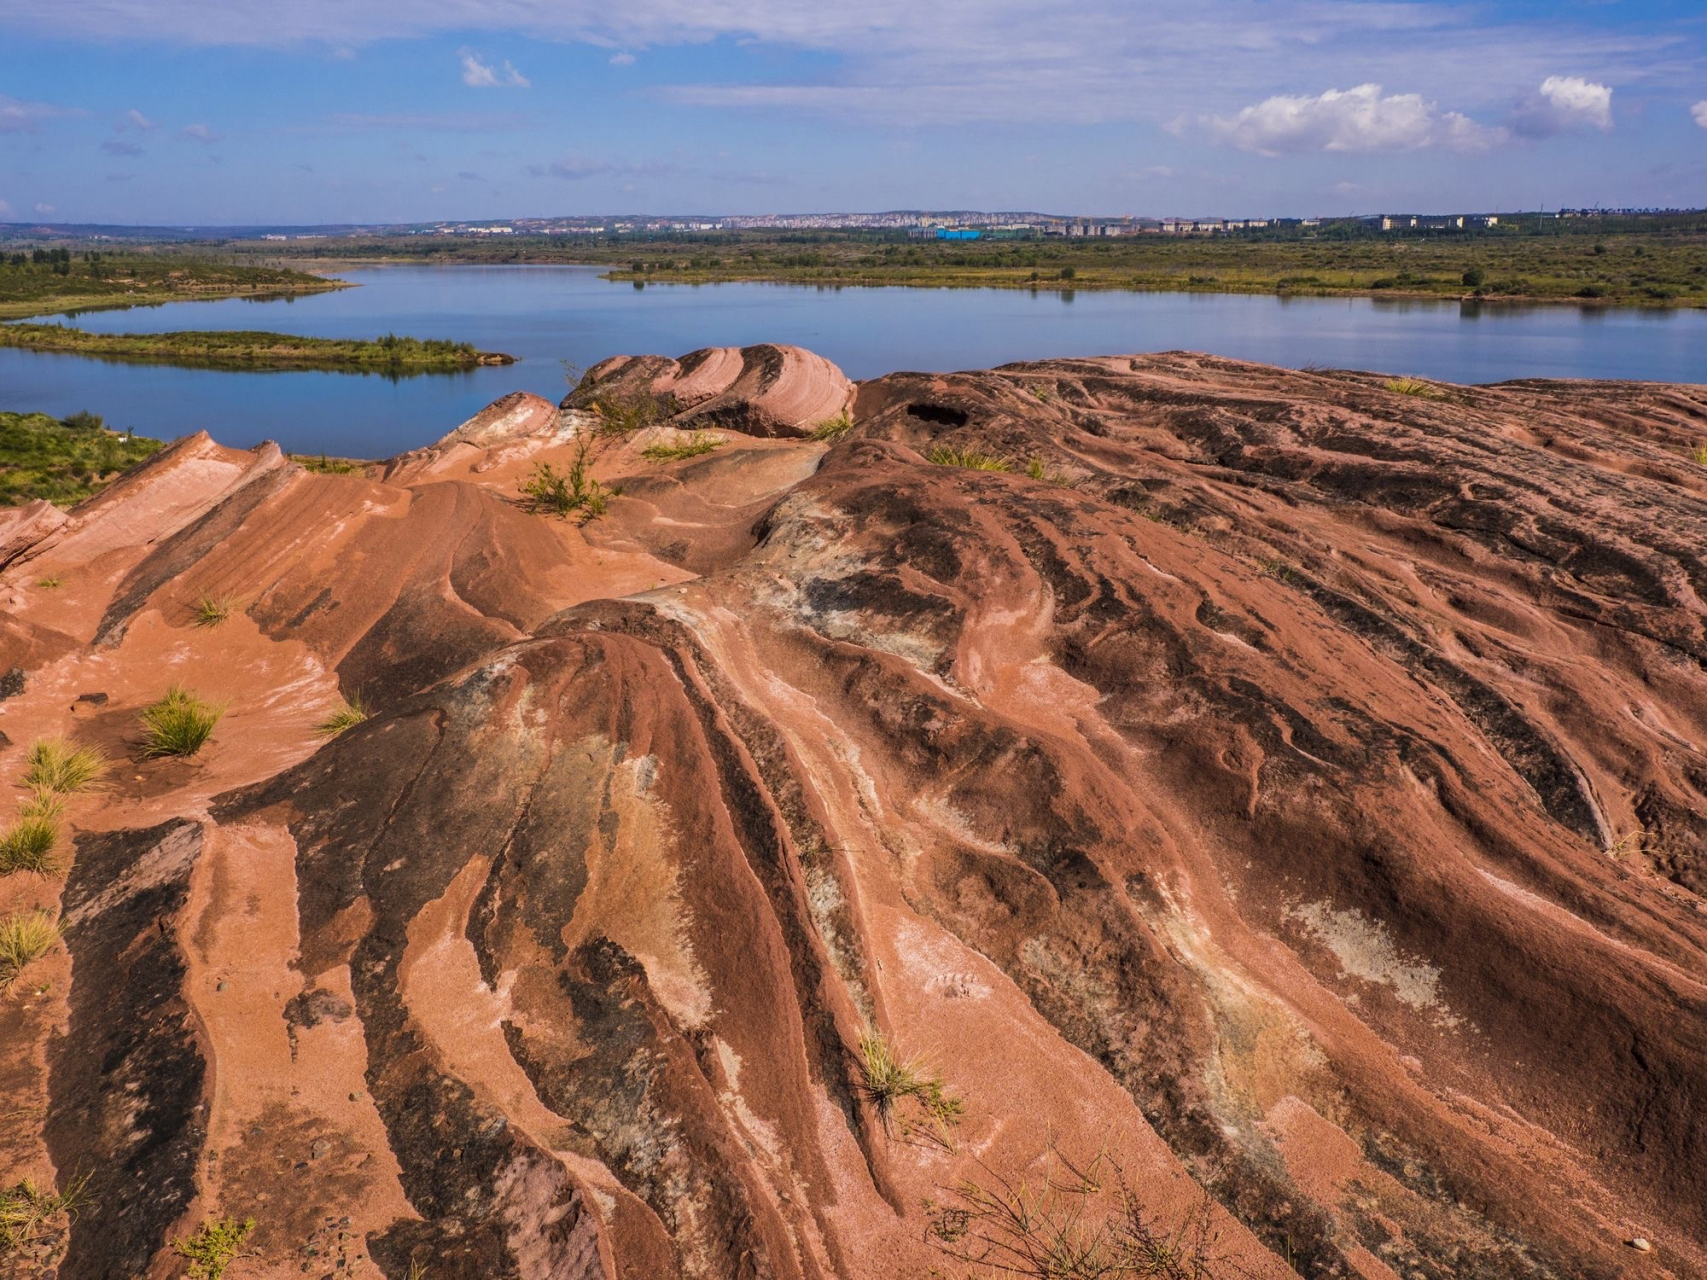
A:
{"x": 1293, "y": 789}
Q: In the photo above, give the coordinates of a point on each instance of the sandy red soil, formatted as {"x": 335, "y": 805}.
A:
{"x": 1288, "y": 790}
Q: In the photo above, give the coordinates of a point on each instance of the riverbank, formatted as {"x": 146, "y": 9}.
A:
{"x": 255, "y": 350}
{"x": 64, "y": 461}
{"x": 59, "y": 285}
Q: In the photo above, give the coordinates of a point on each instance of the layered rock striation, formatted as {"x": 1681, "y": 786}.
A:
{"x": 1285, "y": 789}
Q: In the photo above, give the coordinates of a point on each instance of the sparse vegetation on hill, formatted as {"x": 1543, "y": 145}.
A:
{"x": 692, "y": 445}
{"x": 25, "y": 937}
{"x": 180, "y": 723}
{"x": 62, "y": 461}
{"x": 254, "y": 349}
{"x": 214, "y": 1247}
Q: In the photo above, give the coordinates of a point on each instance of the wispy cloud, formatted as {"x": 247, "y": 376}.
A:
{"x": 1699, "y": 111}
{"x": 5, "y": 208}
{"x": 420, "y": 122}
{"x": 482, "y": 75}
{"x": 118, "y": 147}
{"x": 18, "y": 116}
{"x": 1360, "y": 119}
{"x": 139, "y": 120}
{"x": 44, "y": 209}
{"x": 622, "y": 60}
{"x": 198, "y": 133}
{"x": 1564, "y": 104}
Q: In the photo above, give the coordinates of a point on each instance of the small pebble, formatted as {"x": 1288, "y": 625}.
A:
{"x": 220, "y": 986}
{"x": 1640, "y": 1245}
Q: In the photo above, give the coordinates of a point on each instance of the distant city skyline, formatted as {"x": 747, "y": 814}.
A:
{"x": 183, "y": 111}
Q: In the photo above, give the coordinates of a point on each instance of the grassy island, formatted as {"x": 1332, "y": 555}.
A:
{"x": 254, "y": 350}
{"x": 50, "y": 281}
{"x": 62, "y": 461}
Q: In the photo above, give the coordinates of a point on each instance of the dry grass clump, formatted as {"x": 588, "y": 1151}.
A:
{"x": 696, "y": 444}
{"x": 28, "y": 844}
{"x": 180, "y": 723}
{"x": 1072, "y": 1223}
{"x": 891, "y": 1080}
{"x": 26, "y": 1213}
{"x": 54, "y": 765}
{"x": 1414, "y": 387}
{"x": 348, "y": 714}
{"x": 1698, "y": 455}
{"x": 25, "y": 936}
{"x": 971, "y": 459}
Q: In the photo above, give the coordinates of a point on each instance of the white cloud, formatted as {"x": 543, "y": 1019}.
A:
{"x": 1699, "y": 111}
{"x": 1355, "y": 120}
{"x": 480, "y": 75}
{"x": 1563, "y": 104}
{"x": 622, "y": 60}
{"x": 139, "y": 120}
{"x": 44, "y": 209}
{"x": 5, "y": 207}
{"x": 18, "y": 116}
{"x": 198, "y": 133}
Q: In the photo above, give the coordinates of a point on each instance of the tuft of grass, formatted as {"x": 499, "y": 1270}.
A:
{"x": 27, "y": 845}
{"x": 210, "y": 611}
{"x": 1037, "y": 471}
{"x": 566, "y": 493}
{"x": 1414, "y": 387}
{"x": 53, "y": 582}
{"x": 1043, "y": 393}
{"x": 971, "y": 459}
{"x": 700, "y": 442}
{"x": 214, "y": 1247}
{"x": 348, "y": 715}
{"x": 834, "y": 428}
{"x": 26, "y": 1213}
{"x": 1698, "y": 455}
{"x": 891, "y": 1080}
{"x": 179, "y": 724}
{"x": 25, "y": 936}
{"x": 42, "y": 804}
{"x": 57, "y": 766}
{"x": 1072, "y": 1223}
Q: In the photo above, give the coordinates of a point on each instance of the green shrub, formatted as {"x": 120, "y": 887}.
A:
{"x": 57, "y": 766}
{"x": 27, "y": 845}
{"x": 562, "y": 494}
{"x": 179, "y": 724}
{"x": 215, "y": 1247}
{"x": 210, "y": 611}
{"x": 1474, "y": 277}
{"x": 699, "y": 442}
{"x": 834, "y": 428}
{"x": 348, "y": 715}
{"x": 947, "y": 456}
{"x": 25, "y": 936}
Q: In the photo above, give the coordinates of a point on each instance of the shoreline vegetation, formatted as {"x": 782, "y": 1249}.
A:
{"x": 255, "y": 350}
{"x": 1587, "y": 262}
{"x": 58, "y": 281}
{"x": 64, "y": 461}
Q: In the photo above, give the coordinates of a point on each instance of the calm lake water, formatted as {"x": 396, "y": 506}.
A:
{"x": 546, "y": 315}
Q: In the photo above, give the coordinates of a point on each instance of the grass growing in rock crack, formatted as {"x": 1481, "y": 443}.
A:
{"x": 1071, "y": 1223}
{"x": 27, "y": 845}
{"x": 1037, "y": 471}
{"x": 834, "y": 428}
{"x": 1698, "y": 455}
{"x": 698, "y": 443}
{"x": 25, "y": 936}
{"x": 348, "y": 714}
{"x": 51, "y": 583}
{"x": 179, "y": 724}
{"x": 214, "y": 1247}
{"x": 27, "y": 1212}
{"x": 891, "y": 1080}
{"x": 57, "y": 766}
{"x": 971, "y": 459}
{"x": 1414, "y": 387}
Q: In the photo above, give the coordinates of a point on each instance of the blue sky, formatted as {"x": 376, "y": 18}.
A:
{"x": 182, "y": 111}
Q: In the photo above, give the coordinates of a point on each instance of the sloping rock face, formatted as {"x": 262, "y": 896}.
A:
{"x": 1290, "y": 790}
{"x": 763, "y": 390}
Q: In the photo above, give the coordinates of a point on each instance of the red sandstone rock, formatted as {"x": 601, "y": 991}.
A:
{"x": 1294, "y": 790}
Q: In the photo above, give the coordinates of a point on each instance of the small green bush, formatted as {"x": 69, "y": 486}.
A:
{"x": 566, "y": 493}
{"x": 834, "y": 428}
{"x": 25, "y": 936}
{"x": 1475, "y": 277}
{"x": 180, "y": 723}
{"x": 214, "y": 1247}
{"x": 57, "y": 766}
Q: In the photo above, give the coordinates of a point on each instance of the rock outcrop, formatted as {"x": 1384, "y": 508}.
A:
{"x": 1286, "y": 789}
